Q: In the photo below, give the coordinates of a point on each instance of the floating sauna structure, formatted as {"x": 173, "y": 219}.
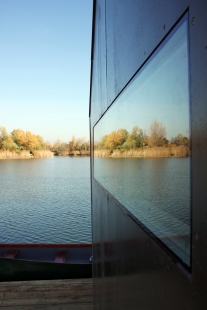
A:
{"x": 148, "y": 65}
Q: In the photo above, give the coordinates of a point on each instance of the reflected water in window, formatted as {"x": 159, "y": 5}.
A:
{"x": 142, "y": 145}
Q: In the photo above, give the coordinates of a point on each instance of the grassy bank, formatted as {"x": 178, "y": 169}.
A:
{"x": 74, "y": 153}
{"x": 15, "y": 155}
{"x": 25, "y": 154}
{"x": 42, "y": 154}
{"x": 176, "y": 151}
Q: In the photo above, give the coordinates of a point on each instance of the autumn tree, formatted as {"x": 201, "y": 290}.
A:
{"x": 42, "y": 145}
{"x": 6, "y": 140}
{"x": 72, "y": 144}
{"x": 56, "y": 144}
{"x": 180, "y": 140}
{"x": 19, "y": 137}
{"x": 101, "y": 145}
{"x": 31, "y": 141}
{"x": 85, "y": 145}
{"x": 88, "y": 145}
{"x": 80, "y": 143}
{"x": 135, "y": 139}
{"x": 157, "y": 134}
{"x": 27, "y": 140}
{"x": 115, "y": 139}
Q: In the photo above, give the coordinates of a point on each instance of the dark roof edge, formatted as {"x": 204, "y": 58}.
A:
{"x": 92, "y": 50}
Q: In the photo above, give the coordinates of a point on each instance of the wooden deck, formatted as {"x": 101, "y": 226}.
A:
{"x": 49, "y": 294}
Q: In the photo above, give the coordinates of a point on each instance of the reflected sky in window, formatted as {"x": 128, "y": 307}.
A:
{"x": 159, "y": 91}
{"x": 147, "y": 172}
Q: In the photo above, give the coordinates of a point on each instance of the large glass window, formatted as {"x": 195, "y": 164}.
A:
{"x": 142, "y": 145}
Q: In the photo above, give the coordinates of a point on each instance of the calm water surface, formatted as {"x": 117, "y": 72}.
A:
{"x": 156, "y": 191}
{"x": 48, "y": 200}
{"x": 144, "y": 184}
{"x": 45, "y": 200}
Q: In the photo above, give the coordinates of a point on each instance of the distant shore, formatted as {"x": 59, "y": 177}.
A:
{"x": 40, "y": 154}
{"x": 26, "y": 154}
{"x": 176, "y": 151}
{"x": 73, "y": 153}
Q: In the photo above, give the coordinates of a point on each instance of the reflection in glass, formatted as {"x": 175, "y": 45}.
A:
{"x": 142, "y": 145}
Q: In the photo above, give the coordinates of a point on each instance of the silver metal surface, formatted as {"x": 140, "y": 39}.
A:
{"x": 131, "y": 270}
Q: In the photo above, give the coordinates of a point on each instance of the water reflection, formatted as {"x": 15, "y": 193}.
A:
{"x": 142, "y": 145}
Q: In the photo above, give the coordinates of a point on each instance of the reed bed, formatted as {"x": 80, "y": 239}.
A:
{"x": 84, "y": 152}
{"x": 175, "y": 151}
{"x": 102, "y": 153}
{"x": 79, "y": 153}
{"x": 42, "y": 154}
{"x": 15, "y": 155}
{"x": 74, "y": 153}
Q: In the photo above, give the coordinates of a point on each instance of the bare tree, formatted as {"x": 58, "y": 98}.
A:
{"x": 181, "y": 140}
{"x": 157, "y": 134}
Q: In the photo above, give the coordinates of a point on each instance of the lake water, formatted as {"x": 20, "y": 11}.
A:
{"x": 45, "y": 200}
{"x": 48, "y": 200}
{"x": 156, "y": 191}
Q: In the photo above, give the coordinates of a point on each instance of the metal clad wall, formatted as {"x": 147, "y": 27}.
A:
{"x": 198, "y": 80}
{"x": 126, "y": 33}
{"x": 141, "y": 275}
{"x": 99, "y": 94}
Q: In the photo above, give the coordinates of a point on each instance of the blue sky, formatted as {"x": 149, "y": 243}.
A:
{"x": 159, "y": 91}
{"x": 45, "y": 67}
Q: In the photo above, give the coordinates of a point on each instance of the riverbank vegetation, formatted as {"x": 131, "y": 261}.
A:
{"x": 137, "y": 143}
{"x": 24, "y": 144}
{"x": 75, "y": 147}
{"x": 19, "y": 140}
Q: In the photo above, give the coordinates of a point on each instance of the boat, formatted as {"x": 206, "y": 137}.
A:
{"x": 23, "y": 262}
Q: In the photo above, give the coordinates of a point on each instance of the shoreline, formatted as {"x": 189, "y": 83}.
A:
{"x": 76, "y": 153}
{"x": 25, "y": 154}
{"x": 40, "y": 154}
{"x": 154, "y": 152}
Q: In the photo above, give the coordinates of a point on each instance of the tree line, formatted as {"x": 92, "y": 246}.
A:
{"x": 121, "y": 139}
{"x": 124, "y": 140}
{"x": 76, "y": 144}
{"x": 19, "y": 140}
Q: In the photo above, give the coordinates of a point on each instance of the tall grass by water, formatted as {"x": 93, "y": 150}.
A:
{"x": 42, "y": 154}
{"x": 15, "y": 155}
{"x": 175, "y": 151}
{"x": 26, "y": 154}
